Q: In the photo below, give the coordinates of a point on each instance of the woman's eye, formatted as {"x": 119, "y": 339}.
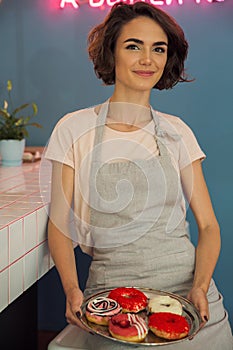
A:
{"x": 132, "y": 47}
{"x": 159, "y": 49}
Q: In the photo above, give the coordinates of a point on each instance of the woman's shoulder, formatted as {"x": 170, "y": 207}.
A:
{"x": 76, "y": 123}
{"x": 175, "y": 123}
{"x": 170, "y": 118}
{"x": 85, "y": 115}
{"x": 189, "y": 149}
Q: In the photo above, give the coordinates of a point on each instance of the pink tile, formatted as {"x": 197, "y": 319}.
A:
{"x": 16, "y": 241}
{"x": 33, "y": 198}
{"x": 6, "y": 220}
{"x": 24, "y": 189}
{"x": 30, "y": 268}
{"x": 30, "y": 231}
{"x": 20, "y": 205}
{"x": 42, "y": 220}
{"x": 16, "y": 276}
{"x": 24, "y": 254}
{"x": 17, "y": 212}
{"x": 43, "y": 259}
{"x": 30, "y": 206}
{"x": 4, "y": 203}
{"x": 4, "y": 288}
{"x": 4, "y": 245}
{"x": 10, "y": 197}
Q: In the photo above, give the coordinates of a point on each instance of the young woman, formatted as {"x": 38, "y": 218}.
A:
{"x": 121, "y": 169}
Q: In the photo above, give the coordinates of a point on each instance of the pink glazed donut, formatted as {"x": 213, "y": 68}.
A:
{"x": 128, "y": 327}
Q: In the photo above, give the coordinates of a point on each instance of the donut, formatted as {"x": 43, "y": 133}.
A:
{"x": 130, "y": 299}
{"x": 128, "y": 327}
{"x": 101, "y": 309}
{"x": 164, "y": 303}
{"x": 168, "y": 326}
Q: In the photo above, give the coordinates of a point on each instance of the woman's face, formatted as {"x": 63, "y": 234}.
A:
{"x": 140, "y": 57}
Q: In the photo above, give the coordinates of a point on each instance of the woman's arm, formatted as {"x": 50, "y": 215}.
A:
{"x": 60, "y": 244}
{"x": 208, "y": 247}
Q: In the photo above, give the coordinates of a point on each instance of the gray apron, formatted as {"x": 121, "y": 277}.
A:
{"x": 140, "y": 238}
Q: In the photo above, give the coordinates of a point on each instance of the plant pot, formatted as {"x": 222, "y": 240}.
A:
{"x": 11, "y": 152}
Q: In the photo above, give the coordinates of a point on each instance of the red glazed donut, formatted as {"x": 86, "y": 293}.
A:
{"x": 101, "y": 309}
{"x": 130, "y": 299}
{"x": 168, "y": 326}
{"x": 128, "y": 327}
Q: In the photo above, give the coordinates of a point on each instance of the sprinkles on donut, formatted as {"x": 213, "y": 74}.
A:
{"x": 129, "y": 298}
{"x": 168, "y": 326}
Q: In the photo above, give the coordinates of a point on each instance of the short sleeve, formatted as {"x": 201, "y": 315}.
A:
{"x": 60, "y": 145}
{"x": 189, "y": 148}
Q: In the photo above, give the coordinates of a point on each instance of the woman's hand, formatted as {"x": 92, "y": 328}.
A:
{"x": 74, "y": 300}
{"x": 198, "y": 297}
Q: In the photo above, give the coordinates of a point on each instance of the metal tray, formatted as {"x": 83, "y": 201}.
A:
{"x": 189, "y": 312}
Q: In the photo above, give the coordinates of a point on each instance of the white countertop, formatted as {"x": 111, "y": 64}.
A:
{"x": 71, "y": 337}
{"x": 24, "y": 204}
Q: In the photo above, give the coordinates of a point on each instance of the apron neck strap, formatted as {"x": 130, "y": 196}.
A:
{"x": 100, "y": 124}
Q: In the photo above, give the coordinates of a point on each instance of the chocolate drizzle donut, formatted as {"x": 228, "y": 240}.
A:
{"x": 103, "y": 306}
{"x": 101, "y": 309}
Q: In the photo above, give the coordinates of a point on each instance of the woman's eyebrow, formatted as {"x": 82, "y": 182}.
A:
{"x": 138, "y": 41}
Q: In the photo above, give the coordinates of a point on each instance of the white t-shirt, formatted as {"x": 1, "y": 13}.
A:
{"x": 72, "y": 143}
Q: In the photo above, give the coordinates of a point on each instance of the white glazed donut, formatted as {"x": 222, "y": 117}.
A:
{"x": 164, "y": 303}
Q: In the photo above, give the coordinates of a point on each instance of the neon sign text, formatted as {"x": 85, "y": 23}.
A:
{"x": 72, "y": 2}
{"x": 100, "y": 3}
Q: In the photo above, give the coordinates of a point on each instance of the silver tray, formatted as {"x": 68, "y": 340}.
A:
{"x": 189, "y": 312}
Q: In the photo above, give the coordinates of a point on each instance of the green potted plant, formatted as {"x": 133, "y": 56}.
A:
{"x": 13, "y": 129}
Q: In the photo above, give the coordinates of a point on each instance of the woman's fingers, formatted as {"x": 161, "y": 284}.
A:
{"x": 73, "y": 308}
{"x": 198, "y": 297}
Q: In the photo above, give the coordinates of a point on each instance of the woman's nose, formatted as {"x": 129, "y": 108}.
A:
{"x": 145, "y": 58}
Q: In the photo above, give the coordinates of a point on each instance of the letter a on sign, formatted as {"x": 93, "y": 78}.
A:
{"x": 72, "y": 2}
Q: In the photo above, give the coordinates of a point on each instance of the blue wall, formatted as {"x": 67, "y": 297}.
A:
{"x": 43, "y": 51}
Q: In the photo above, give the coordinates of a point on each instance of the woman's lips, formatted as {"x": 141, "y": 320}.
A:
{"x": 144, "y": 73}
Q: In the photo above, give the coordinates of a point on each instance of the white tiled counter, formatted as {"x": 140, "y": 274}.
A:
{"x": 24, "y": 204}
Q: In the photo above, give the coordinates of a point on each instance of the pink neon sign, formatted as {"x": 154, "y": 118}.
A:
{"x": 100, "y": 3}
{"x": 63, "y": 3}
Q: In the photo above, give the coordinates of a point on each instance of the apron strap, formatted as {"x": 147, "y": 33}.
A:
{"x": 99, "y": 130}
{"x": 160, "y": 134}
{"x": 100, "y": 123}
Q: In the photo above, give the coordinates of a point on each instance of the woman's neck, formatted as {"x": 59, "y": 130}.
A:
{"x": 140, "y": 98}
{"x": 127, "y": 116}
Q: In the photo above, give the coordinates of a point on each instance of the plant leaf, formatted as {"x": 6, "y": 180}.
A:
{"x": 5, "y": 105}
{"x": 4, "y": 113}
{"x": 26, "y": 120}
{"x": 13, "y": 125}
{"x": 36, "y": 125}
{"x": 20, "y": 108}
{"x": 35, "y": 109}
{"x": 9, "y": 85}
{"x": 19, "y": 122}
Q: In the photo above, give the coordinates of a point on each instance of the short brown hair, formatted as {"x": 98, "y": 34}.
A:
{"x": 102, "y": 40}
